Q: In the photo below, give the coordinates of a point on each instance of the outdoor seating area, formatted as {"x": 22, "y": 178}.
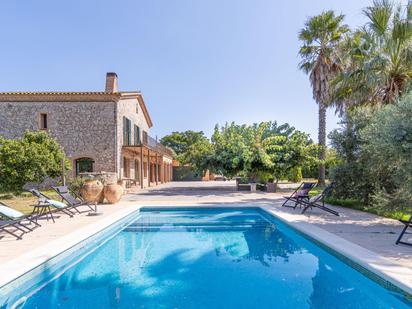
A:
{"x": 249, "y": 155}
{"x": 17, "y": 224}
{"x": 301, "y": 197}
{"x": 13, "y": 221}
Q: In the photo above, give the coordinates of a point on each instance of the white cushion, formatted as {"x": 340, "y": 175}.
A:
{"x": 10, "y": 212}
{"x": 56, "y": 204}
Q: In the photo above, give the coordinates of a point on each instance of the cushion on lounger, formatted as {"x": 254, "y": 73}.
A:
{"x": 56, "y": 204}
{"x": 10, "y": 212}
{"x": 302, "y": 193}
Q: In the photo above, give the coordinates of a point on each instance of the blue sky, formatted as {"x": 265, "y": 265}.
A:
{"x": 197, "y": 62}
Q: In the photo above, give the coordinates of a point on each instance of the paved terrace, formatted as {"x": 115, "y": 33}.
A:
{"x": 369, "y": 231}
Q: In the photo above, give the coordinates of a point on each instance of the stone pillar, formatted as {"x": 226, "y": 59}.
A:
{"x": 148, "y": 167}
{"x": 157, "y": 169}
{"x": 141, "y": 168}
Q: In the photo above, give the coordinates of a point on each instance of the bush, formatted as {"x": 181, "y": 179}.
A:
{"x": 375, "y": 146}
{"x": 75, "y": 184}
{"x": 295, "y": 175}
{"x": 29, "y": 159}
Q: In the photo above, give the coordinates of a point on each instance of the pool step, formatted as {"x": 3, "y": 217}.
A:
{"x": 204, "y": 226}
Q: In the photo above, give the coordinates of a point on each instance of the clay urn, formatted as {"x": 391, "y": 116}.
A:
{"x": 92, "y": 191}
{"x": 113, "y": 192}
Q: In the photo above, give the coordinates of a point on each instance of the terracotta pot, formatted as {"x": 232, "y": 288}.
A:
{"x": 122, "y": 183}
{"x": 92, "y": 191}
{"x": 113, "y": 192}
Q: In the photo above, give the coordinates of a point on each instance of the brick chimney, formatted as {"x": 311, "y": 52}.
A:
{"x": 111, "y": 82}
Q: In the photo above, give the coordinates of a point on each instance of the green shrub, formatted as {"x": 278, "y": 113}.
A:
{"x": 75, "y": 184}
{"x": 375, "y": 146}
{"x": 295, "y": 174}
{"x": 29, "y": 159}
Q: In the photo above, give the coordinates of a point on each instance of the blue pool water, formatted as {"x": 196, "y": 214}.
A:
{"x": 213, "y": 258}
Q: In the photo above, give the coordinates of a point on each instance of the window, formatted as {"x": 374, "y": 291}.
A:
{"x": 144, "y": 137}
{"x": 43, "y": 122}
{"x": 127, "y": 131}
{"x": 84, "y": 165}
{"x": 136, "y": 135}
{"x": 137, "y": 108}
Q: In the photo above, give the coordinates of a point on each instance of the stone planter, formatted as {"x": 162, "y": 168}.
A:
{"x": 113, "y": 192}
{"x": 271, "y": 187}
{"x": 92, "y": 191}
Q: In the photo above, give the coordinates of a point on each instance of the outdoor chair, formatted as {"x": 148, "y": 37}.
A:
{"x": 73, "y": 200}
{"x": 407, "y": 223}
{"x": 45, "y": 204}
{"x": 300, "y": 194}
{"x": 318, "y": 201}
{"x": 15, "y": 219}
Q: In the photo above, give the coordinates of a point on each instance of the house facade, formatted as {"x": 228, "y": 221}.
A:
{"x": 99, "y": 131}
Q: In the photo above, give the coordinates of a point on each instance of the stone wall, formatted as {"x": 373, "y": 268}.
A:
{"x": 84, "y": 129}
{"x": 131, "y": 109}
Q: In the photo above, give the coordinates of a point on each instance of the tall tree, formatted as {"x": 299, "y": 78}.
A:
{"x": 320, "y": 59}
{"x": 191, "y": 148}
{"x": 378, "y": 60}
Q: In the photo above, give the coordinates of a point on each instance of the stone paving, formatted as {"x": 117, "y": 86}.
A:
{"x": 367, "y": 230}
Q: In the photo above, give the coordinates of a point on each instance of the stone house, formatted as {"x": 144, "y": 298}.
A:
{"x": 99, "y": 131}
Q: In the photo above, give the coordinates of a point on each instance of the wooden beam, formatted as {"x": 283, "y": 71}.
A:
{"x": 141, "y": 168}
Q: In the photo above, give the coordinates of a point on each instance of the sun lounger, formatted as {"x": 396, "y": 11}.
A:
{"x": 45, "y": 205}
{"x": 318, "y": 201}
{"x": 73, "y": 200}
{"x": 300, "y": 194}
{"x": 407, "y": 223}
{"x": 15, "y": 219}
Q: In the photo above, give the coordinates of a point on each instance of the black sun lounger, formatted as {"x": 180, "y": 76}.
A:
{"x": 300, "y": 194}
{"x": 407, "y": 223}
{"x": 45, "y": 205}
{"x": 318, "y": 201}
{"x": 13, "y": 220}
{"x": 73, "y": 200}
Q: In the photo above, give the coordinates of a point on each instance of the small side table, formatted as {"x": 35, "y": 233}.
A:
{"x": 40, "y": 210}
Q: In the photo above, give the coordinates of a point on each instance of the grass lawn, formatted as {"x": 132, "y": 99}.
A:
{"x": 355, "y": 204}
{"x": 22, "y": 202}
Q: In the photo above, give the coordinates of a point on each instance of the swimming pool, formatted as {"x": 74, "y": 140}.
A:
{"x": 201, "y": 258}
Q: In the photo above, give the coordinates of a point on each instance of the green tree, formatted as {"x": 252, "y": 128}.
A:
{"x": 231, "y": 149}
{"x": 285, "y": 153}
{"x": 191, "y": 148}
{"x": 260, "y": 149}
{"x": 387, "y": 143}
{"x": 320, "y": 38}
{"x": 375, "y": 146}
{"x": 378, "y": 58}
{"x": 30, "y": 159}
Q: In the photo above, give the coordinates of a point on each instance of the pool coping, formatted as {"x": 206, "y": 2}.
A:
{"x": 397, "y": 275}
{"x": 29, "y": 261}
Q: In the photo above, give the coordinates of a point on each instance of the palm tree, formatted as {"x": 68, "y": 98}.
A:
{"x": 320, "y": 59}
{"x": 379, "y": 58}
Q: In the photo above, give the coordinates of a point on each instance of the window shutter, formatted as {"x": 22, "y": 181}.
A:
{"x": 129, "y": 132}
{"x": 124, "y": 130}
